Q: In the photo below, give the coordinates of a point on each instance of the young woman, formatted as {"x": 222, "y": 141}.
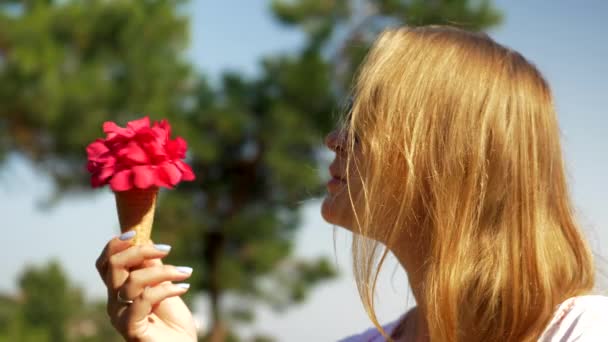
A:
{"x": 450, "y": 158}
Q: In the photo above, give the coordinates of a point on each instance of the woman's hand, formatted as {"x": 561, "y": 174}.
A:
{"x": 143, "y": 303}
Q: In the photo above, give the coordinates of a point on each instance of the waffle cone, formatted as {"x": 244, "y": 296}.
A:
{"x": 136, "y": 212}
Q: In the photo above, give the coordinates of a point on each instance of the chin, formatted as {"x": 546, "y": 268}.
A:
{"x": 336, "y": 210}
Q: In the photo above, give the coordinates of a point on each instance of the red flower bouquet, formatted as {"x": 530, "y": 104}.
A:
{"x": 135, "y": 161}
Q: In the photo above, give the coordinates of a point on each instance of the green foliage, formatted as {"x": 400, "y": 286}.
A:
{"x": 318, "y": 18}
{"x": 362, "y": 22}
{"x": 471, "y": 15}
{"x": 68, "y": 66}
{"x": 46, "y": 300}
{"x": 49, "y": 308}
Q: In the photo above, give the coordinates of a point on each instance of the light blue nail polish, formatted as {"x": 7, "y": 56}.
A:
{"x": 127, "y": 235}
{"x": 183, "y": 285}
{"x": 162, "y": 248}
{"x": 184, "y": 269}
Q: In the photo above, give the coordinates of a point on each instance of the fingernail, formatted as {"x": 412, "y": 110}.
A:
{"x": 127, "y": 235}
{"x": 162, "y": 248}
{"x": 184, "y": 269}
{"x": 183, "y": 285}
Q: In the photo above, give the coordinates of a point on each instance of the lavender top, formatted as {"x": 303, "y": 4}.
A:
{"x": 580, "y": 319}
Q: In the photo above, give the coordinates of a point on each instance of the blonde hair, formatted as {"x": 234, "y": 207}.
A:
{"x": 461, "y": 153}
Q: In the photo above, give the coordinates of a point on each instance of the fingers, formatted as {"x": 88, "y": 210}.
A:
{"x": 120, "y": 263}
{"x": 136, "y": 314}
{"x": 151, "y": 276}
{"x": 114, "y": 246}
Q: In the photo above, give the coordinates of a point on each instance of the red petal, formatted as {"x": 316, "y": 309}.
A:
{"x": 187, "y": 173}
{"x": 155, "y": 150}
{"x": 100, "y": 177}
{"x": 164, "y": 127}
{"x": 108, "y": 161}
{"x": 96, "y": 149}
{"x": 113, "y": 130}
{"x": 92, "y": 166}
{"x": 136, "y": 125}
{"x": 161, "y": 179}
{"x": 134, "y": 153}
{"x": 177, "y": 148}
{"x": 122, "y": 181}
{"x": 96, "y": 182}
{"x": 111, "y": 127}
{"x": 172, "y": 173}
{"x": 105, "y": 161}
{"x": 105, "y": 173}
{"x": 143, "y": 176}
{"x": 147, "y": 134}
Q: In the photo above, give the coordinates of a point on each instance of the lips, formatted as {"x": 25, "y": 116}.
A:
{"x": 337, "y": 181}
{"x": 336, "y": 175}
{"x": 335, "y": 185}
{"x": 338, "y": 178}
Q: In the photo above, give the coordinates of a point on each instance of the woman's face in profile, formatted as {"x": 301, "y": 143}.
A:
{"x": 336, "y": 208}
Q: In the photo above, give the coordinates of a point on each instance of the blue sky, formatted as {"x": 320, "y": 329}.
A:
{"x": 568, "y": 43}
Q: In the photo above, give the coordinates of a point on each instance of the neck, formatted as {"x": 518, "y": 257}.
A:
{"x": 415, "y": 274}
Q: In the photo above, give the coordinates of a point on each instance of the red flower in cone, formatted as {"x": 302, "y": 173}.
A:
{"x": 138, "y": 156}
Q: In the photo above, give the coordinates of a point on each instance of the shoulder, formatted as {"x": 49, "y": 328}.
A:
{"x": 583, "y": 319}
{"x": 371, "y": 335}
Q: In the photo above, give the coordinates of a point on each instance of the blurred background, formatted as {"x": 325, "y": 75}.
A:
{"x": 253, "y": 86}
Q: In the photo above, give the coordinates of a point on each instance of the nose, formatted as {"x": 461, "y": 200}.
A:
{"x": 335, "y": 141}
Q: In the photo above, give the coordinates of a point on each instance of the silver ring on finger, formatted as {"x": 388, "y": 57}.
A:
{"x": 121, "y": 300}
